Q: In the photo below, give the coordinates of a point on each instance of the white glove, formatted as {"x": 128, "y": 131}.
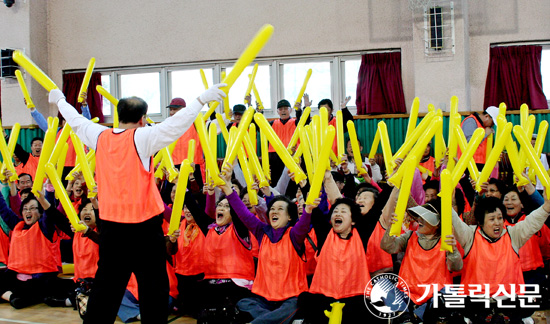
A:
{"x": 55, "y": 96}
{"x": 213, "y": 93}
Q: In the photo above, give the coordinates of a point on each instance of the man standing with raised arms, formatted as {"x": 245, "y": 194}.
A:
{"x": 131, "y": 236}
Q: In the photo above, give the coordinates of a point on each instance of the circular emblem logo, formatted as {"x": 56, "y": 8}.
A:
{"x": 386, "y": 295}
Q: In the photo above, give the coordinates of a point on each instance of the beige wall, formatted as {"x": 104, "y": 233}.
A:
{"x": 64, "y": 34}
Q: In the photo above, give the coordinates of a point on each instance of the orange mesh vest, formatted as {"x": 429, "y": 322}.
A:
{"x": 342, "y": 269}
{"x": 284, "y": 131}
{"x": 30, "y": 251}
{"x": 281, "y": 271}
{"x": 226, "y": 257}
{"x": 423, "y": 267}
{"x": 311, "y": 262}
{"x": 86, "y": 255}
{"x": 126, "y": 191}
{"x": 29, "y": 167}
{"x": 376, "y": 257}
{"x": 481, "y": 152}
{"x": 189, "y": 259}
{"x": 172, "y": 279}
{"x": 530, "y": 255}
{"x": 335, "y": 143}
{"x": 71, "y": 154}
{"x": 544, "y": 242}
{"x": 492, "y": 263}
{"x": 4, "y": 247}
{"x": 182, "y": 146}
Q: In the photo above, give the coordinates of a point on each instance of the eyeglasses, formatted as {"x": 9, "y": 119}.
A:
{"x": 26, "y": 210}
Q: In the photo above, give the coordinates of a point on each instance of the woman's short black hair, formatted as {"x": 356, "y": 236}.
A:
{"x": 501, "y": 185}
{"x": 291, "y": 207}
{"x": 353, "y": 206}
{"x": 488, "y": 205}
{"x": 25, "y": 201}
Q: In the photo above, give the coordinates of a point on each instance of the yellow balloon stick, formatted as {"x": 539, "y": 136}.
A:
{"x": 24, "y": 89}
{"x": 529, "y": 132}
{"x": 440, "y": 147}
{"x": 299, "y": 175}
{"x": 87, "y": 77}
{"x": 298, "y": 154}
{"x": 424, "y": 170}
{"x": 233, "y": 149}
{"x": 257, "y": 96}
{"x": 524, "y": 115}
{"x": 413, "y": 117}
{"x": 539, "y": 143}
{"x": 323, "y": 119}
{"x": 78, "y": 167}
{"x": 386, "y": 148}
{"x": 303, "y": 89}
{"x": 462, "y": 143}
{"x": 63, "y": 197}
{"x": 502, "y": 109}
{"x": 414, "y": 136}
{"x": 489, "y": 147}
{"x": 302, "y": 122}
{"x": 251, "y": 78}
{"x": 169, "y": 164}
{"x": 446, "y": 194}
{"x": 95, "y": 120}
{"x": 245, "y": 167}
{"x": 306, "y": 151}
{"x": 248, "y": 55}
{"x": 213, "y": 139}
{"x": 404, "y": 192}
{"x": 374, "y": 146}
{"x": 209, "y": 156}
{"x": 102, "y": 91}
{"x": 254, "y": 161}
{"x": 321, "y": 167}
{"x": 452, "y": 143}
{"x": 150, "y": 121}
{"x": 204, "y": 81}
{"x": 47, "y": 147}
{"x": 86, "y": 172}
{"x": 34, "y": 70}
{"x": 14, "y": 135}
{"x": 493, "y": 157}
{"x": 191, "y": 151}
{"x": 355, "y": 147}
{"x": 431, "y": 108}
{"x": 340, "y": 134}
{"x": 533, "y": 158}
{"x": 50, "y": 121}
{"x": 7, "y": 157}
{"x": 467, "y": 154}
{"x": 314, "y": 131}
{"x": 225, "y": 133}
{"x": 61, "y": 161}
{"x": 265, "y": 155}
{"x": 58, "y": 148}
{"x": 179, "y": 198}
{"x": 513, "y": 156}
{"x": 91, "y": 161}
{"x": 253, "y": 138}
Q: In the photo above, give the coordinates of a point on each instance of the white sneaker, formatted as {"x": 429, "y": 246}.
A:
{"x": 528, "y": 320}
{"x": 467, "y": 320}
{"x": 298, "y": 321}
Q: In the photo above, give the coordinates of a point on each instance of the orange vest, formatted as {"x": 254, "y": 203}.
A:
{"x": 281, "y": 271}
{"x": 491, "y": 263}
{"x": 29, "y": 167}
{"x": 182, "y": 146}
{"x": 127, "y": 193}
{"x": 530, "y": 255}
{"x": 4, "y": 247}
{"x": 311, "y": 262}
{"x": 30, "y": 251}
{"x": 423, "y": 267}
{"x": 481, "y": 152}
{"x": 226, "y": 257}
{"x": 376, "y": 257}
{"x": 284, "y": 131}
{"x": 86, "y": 255}
{"x": 544, "y": 242}
{"x": 71, "y": 154}
{"x": 342, "y": 269}
{"x": 189, "y": 259}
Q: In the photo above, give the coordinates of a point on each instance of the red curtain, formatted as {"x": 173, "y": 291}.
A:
{"x": 71, "y": 88}
{"x": 514, "y": 77}
{"x": 379, "y": 84}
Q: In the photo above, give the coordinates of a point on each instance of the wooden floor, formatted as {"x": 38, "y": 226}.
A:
{"x": 43, "y": 314}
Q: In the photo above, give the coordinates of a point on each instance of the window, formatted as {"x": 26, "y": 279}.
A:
{"x": 545, "y": 71}
{"x": 262, "y": 82}
{"x": 143, "y": 85}
{"x": 351, "y": 72}
{"x": 187, "y": 84}
{"x": 106, "y": 83}
{"x": 318, "y": 87}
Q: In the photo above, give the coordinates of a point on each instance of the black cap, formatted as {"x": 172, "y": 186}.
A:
{"x": 283, "y": 103}
{"x": 239, "y": 109}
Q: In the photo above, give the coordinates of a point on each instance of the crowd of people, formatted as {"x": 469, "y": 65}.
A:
{"x": 278, "y": 261}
